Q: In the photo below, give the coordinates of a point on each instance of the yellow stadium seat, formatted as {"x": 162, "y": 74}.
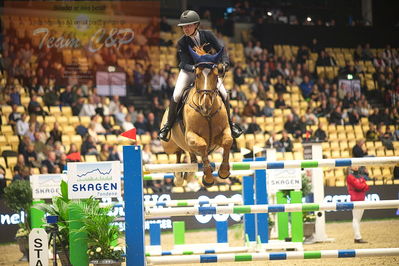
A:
{"x": 111, "y": 139}
{"x": 90, "y": 158}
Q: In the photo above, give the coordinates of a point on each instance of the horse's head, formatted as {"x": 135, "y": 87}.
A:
{"x": 206, "y": 82}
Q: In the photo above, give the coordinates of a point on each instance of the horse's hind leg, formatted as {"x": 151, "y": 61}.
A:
{"x": 178, "y": 180}
{"x": 198, "y": 144}
{"x": 227, "y": 141}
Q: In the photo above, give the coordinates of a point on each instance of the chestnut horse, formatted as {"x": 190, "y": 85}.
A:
{"x": 205, "y": 120}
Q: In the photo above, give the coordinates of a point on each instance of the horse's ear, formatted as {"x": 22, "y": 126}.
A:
{"x": 216, "y": 57}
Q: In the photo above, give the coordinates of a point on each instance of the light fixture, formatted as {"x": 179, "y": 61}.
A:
{"x": 111, "y": 69}
{"x": 269, "y": 13}
{"x": 308, "y": 19}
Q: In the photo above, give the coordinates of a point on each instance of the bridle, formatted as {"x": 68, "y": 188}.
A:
{"x": 203, "y": 93}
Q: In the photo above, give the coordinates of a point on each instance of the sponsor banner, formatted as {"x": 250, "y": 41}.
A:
{"x": 283, "y": 179}
{"x": 97, "y": 179}
{"x": 46, "y": 186}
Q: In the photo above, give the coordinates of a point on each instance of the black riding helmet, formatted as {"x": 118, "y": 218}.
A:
{"x": 189, "y": 17}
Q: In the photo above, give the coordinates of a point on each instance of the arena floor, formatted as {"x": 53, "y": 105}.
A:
{"x": 380, "y": 234}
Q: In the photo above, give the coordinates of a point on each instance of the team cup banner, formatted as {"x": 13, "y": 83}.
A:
{"x": 97, "y": 179}
{"x": 94, "y": 43}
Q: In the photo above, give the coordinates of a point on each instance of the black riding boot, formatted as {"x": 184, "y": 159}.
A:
{"x": 164, "y": 131}
{"x": 236, "y": 130}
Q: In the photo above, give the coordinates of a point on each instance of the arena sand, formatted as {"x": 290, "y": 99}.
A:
{"x": 380, "y": 234}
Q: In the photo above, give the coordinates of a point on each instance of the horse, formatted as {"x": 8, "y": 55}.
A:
{"x": 205, "y": 125}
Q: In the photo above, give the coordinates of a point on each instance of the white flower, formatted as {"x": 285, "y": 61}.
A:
{"x": 98, "y": 250}
{"x": 111, "y": 248}
{"x": 91, "y": 253}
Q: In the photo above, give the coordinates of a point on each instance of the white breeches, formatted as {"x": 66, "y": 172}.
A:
{"x": 185, "y": 78}
{"x": 357, "y": 216}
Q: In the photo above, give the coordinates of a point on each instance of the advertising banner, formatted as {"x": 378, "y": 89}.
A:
{"x": 46, "y": 186}
{"x": 97, "y": 179}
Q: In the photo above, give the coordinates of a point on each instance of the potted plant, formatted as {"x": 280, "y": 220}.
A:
{"x": 309, "y": 218}
{"x": 101, "y": 233}
{"x": 18, "y": 197}
{"x": 59, "y": 207}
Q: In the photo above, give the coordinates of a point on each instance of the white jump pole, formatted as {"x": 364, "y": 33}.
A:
{"x": 296, "y": 207}
{"x": 291, "y": 255}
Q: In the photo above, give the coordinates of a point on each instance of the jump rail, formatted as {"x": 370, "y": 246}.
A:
{"x": 321, "y": 254}
{"x": 196, "y": 167}
{"x": 305, "y": 207}
{"x": 161, "y": 176}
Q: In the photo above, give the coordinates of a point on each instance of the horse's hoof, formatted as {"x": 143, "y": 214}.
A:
{"x": 206, "y": 184}
{"x": 223, "y": 177}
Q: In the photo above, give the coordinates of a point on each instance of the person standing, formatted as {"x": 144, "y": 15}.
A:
{"x": 357, "y": 187}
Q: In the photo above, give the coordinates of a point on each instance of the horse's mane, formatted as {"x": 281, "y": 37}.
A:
{"x": 200, "y": 49}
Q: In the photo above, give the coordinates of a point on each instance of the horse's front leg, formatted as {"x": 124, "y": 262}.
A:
{"x": 190, "y": 177}
{"x": 227, "y": 141}
{"x": 178, "y": 180}
{"x": 199, "y": 145}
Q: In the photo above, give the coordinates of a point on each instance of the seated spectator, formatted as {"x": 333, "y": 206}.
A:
{"x": 89, "y": 146}
{"x": 354, "y": 117}
{"x": 120, "y": 115}
{"x": 107, "y": 125}
{"x": 22, "y": 175}
{"x": 34, "y": 107}
{"x": 268, "y": 109}
{"x": 152, "y": 123}
{"x": 140, "y": 125}
{"x": 290, "y": 125}
{"x": 252, "y": 127}
{"x": 20, "y": 163}
{"x": 22, "y": 125}
{"x": 50, "y": 162}
{"x": 59, "y": 149}
{"x": 372, "y": 134}
{"x": 104, "y": 152}
{"x": 256, "y": 86}
{"x": 55, "y": 134}
{"x": 301, "y": 128}
{"x": 273, "y": 142}
{"x": 40, "y": 147}
{"x": 306, "y": 87}
{"x": 279, "y": 87}
{"x": 251, "y": 108}
{"x": 131, "y": 111}
{"x": 336, "y": 116}
{"x": 146, "y": 154}
{"x": 387, "y": 138}
{"x": 89, "y": 108}
{"x": 310, "y": 117}
{"x": 155, "y": 144}
{"x": 77, "y": 106}
{"x": 239, "y": 78}
{"x": 113, "y": 153}
{"x": 127, "y": 124}
{"x": 73, "y": 154}
{"x": 320, "y": 134}
{"x": 280, "y": 103}
{"x": 359, "y": 150}
{"x": 286, "y": 142}
{"x": 14, "y": 115}
{"x": 374, "y": 117}
{"x": 236, "y": 94}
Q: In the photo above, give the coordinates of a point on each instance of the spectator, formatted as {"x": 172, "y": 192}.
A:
{"x": 336, "y": 116}
{"x": 73, "y": 154}
{"x": 279, "y": 87}
{"x": 253, "y": 127}
{"x": 155, "y": 144}
{"x": 50, "y": 162}
{"x": 251, "y": 108}
{"x": 106, "y": 123}
{"x": 273, "y": 142}
{"x": 359, "y": 150}
{"x": 141, "y": 125}
{"x": 127, "y": 124}
{"x": 280, "y": 103}
{"x": 290, "y": 125}
{"x": 238, "y": 77}
{"x": 268, "y": 109}
{"x": 22, "y": 126}
{"x": 89, "y": 146}
{"x": 34, "y": 106}
{"x": 114, "y": 105}
{"x": 104, "y": 152}
{"x": 77, "y": 106}
{"x": 146, "y": 154}
{"x": 14, "y": 115}
{"x": 354, "y": 117}
{"x": 22, "y": 175}
{"x": 320, "y": 134}
{"x": 374, "y": 117}
{"x": 306, "y": 87}
{"x": 310, "y": 117}
{"x": 387, "y": 138}
{"x": 55, "y": 134}
{"x": 120, "y": 115}
{"x": 152, "y": 124}
{"x": 235, "y": 94}
{"x": 286, "y": 142}
{"x": 372, "y": 134}
{"x": 113, "y": 153}
{"x": 357, "y": 188}
{"x": 20, "y": 163}
{"x": 89, "y": 108}
{"x": 131, "y": 111}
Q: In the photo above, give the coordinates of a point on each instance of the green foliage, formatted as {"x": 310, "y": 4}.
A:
{"x": 101, "y": 233}
{"x": 18, "y": 197}
{"x": 59, "y": 207}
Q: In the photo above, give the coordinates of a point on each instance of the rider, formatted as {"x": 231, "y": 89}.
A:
{"x": 189, "y": 21}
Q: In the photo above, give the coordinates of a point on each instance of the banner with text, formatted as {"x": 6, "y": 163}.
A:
{"x": 46, "y": 186}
